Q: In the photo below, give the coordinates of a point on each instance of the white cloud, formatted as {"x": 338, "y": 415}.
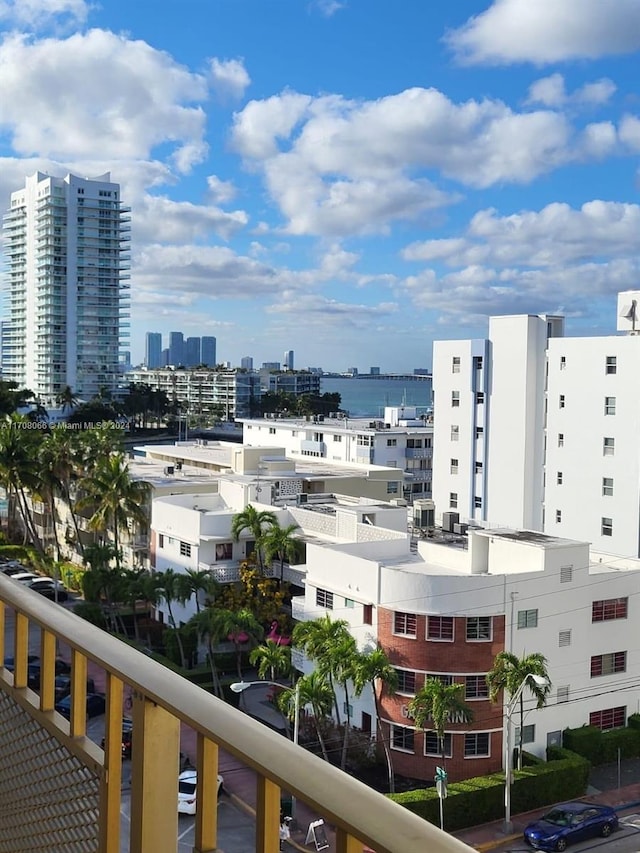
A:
{"x": 58, "y": 101}
{"x": 317, "y": 309}
{"x": 630, "y": 132}
{"x": 37, "y": 14}
{"x": 220, "y": 191}
{"x": 229, "y": 78}
{"x": 551, "y": 92}
{"x": 328, "y": 7}
{"x": 161, "y": 219}
{"x": 545, "y": 31}
{"x": 336, "y": 166}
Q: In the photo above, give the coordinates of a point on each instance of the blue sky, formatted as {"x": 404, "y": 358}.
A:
{"x": 350, "y": 179}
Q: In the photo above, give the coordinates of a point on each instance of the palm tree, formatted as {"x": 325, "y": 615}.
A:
{"x": 210, "y": 624}
{"x": 438, "y": 703}
{"x": 272, "y": 658}
{"x": 171, "y": 589}
{"x": 257, "y": 523}
{"x": 64, "y": 453}
{"x": 67, "y": 399}
{"x": 315, "y": 691}
{"x": 509, "y": 673}
{"x": 374, "y": 668}
{"x": 114, "y": 498}
{"x": 19, "y": 470}
{"x": 235, "y": 624}
{"x": 343, "y": 655}
{"x": 317, "y": 636}
{"x": 279, "y": 542}
{"x": 103, "y": 582}
{"x": 194, "y": 582}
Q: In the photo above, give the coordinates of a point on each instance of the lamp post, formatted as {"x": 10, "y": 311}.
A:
{"x": 240, "y": 686}
{"x": 541, "y": 682}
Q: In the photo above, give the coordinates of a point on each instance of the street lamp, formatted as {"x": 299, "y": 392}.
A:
{"x": 239, "y": 686}
{"x": 541, "y": 682}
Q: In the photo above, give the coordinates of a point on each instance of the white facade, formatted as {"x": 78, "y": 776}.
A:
{"x": 401, "y": 440}
{"x": 66, "y": 285}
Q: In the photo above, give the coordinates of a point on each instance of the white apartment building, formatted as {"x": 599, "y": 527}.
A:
{"x": 540, "y": 431}
{"x": 401, "y": 440}
{"x": 235, "y": 393}
{"x": 66, "y": 254}
{"x": 447, "y": 608}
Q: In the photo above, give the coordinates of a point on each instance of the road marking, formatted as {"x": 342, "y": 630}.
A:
{"x": 187, "y": 831}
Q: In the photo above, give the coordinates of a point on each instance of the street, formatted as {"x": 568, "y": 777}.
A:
{"x": 625, "y": 840}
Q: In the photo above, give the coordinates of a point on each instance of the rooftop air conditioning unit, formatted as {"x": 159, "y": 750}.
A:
{"x": 448, "y": 520}
{"x": 461, "y": 529}
{"x": 170, "y": 469}
{"x": 302, "y": 498}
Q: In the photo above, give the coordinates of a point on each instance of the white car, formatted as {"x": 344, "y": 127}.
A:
{"x": 25, "y": 578}
{"x": 187, "y": 782}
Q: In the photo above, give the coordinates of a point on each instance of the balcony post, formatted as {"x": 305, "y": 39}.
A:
{"x": 346, "y": 843}
{"x": 111, "y": 783}
{"x": 206, "y": 838}
{"x": 267, "y": 816}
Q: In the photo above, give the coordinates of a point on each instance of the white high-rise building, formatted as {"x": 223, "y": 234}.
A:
{"x": 288, "y": 359}
{"x": 539, "y": 431}
{"x": 66, "y": 285}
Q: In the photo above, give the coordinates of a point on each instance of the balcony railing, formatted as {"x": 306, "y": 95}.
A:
{"x": 77, "y": 785}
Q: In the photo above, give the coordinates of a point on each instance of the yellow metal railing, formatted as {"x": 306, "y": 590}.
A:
{"x": 161, "y": 701}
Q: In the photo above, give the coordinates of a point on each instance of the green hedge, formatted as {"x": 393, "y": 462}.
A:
{"x": 481, "y": 799}
{"x": 602, "y": 747}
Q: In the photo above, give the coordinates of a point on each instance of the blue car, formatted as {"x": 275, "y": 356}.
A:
{"x": 569, "y": 823}
{"x": 96, "y": 704}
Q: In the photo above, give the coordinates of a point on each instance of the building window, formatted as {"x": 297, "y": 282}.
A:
{"x": 324, "y": 598}
{"x": 455, "y": 432}
{"x": 440, "y": 628}
{"x": 558, "y": 516}
{"x": 606, "y": 528}
{"x": 563, "y": 362}
{"x": 392, "y": 442}
{"x": 455, "y": 364}
{"x": 453, "y": 500}
{"x": 562, "y": 694}
{"x": 611, "y": 365}
{"x": 406, "y": 681}
{"x": 609, "y": 405}
{"x": 560, "y": 439}
{"x": 367, "y": 614}
{"x": 608, "y": 609}
{"x": 477, "y": 502}
{"x": 566, "y": 574}
{"x": 479, "y": 432}
{"x": 528, "y": 734}
{"x": 610, "y": 718}
{"x": 476, "y": 745}
{"x": 454, "y": 466}
{"x": 224, "y": 550}
{"x": 432, "y": 745}
{"x": 443, "y": 679}
{"x": 402, "y": 738}
{"x": 337, "y": 438}
{"x": 564, "y": 638}
{"x": 607, "y": 486}
{"x": 608, "y": 664}
{"x": 405, "y": 623}
{"x": 160, "y": 540}
{"x": 608, "y": 447}
{"x": 392, "y": 487}
{"x": 272, "y": 430}
{"x": 527, "y": 618}
{"x": 561, "y": 401}
{"x": 476, "y": 687}
{"x": 559, "y": 478}
{"x": 185, "y": 549}
{"x": 349, "y": 602}
{"x": 479, "y": 628}
{"x": 479, "y": 397}
{"x": 455, "y": 399}
{"x": 478, "y": 467}
{"x": 478, "y": 362}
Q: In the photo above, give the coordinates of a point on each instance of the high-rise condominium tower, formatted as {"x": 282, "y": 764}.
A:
{"x": 66, "y": 286}
{"x": 153, "y": 349}
{"x": 288, "y": 359}
{"x": 208, "y": 351}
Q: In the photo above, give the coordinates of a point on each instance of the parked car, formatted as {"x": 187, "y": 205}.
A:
{"x": 25, "y": 577}
{"x": 187, "y": 783}
{"x": 63, "y": 686}
{"x": 96, "y": 705}
{"x": 12, "y": 569}
{"x": 49, "y": 588}
{"x": 127, "y": 739}
{"x": 568, "y": 823}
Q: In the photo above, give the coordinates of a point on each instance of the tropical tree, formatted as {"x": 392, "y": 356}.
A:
{"x": 210, "y": 625}
{"x": 240, "y": 626}
{"x": 257, "y": 523}
{"x": 114, "y": 499}
{"x": 435, "y": 705}
{"x": 19, "y": 470}
{"x": 193, "y": 583}
{"x": 280, "y": 543}
{"x": 316, "y": 691}
{"x": 64, "y": 454}
{"x": 272, "y": 658}
{"x": 104, "y": 583}
{"x": 342, "y": 661}
{"x": 12, "y": 397}
{"x": 374, "y": 668}
{"x": 48, "y": 487}
{"x": 317, "y": 638}
{"x": 509, "y": 673}
{"x": 67, "y": 399}
{"x": 170, "y": 589}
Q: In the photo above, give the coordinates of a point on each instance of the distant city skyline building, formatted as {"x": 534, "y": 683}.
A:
{"x": 270, "y": 365}
{"x": 192, "y": 352}
{"x": 176, "y": 348}
{"x": 374, "y": 371}
{"x": 288, "y": 359}
{"x": 153, "y": 350}
{"x": 246, "y": 362}
{"x": 64, "y": 240}
{"x": 208, "y": 351}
